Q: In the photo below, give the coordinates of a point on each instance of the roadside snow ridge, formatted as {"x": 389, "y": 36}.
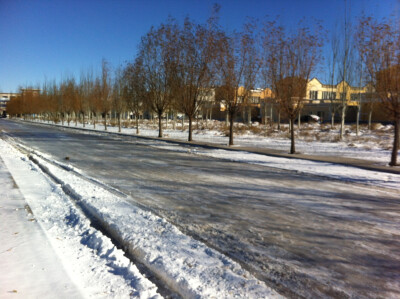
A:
{"x": 186, "y": 265}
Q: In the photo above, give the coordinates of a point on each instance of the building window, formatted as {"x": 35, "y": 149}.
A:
{"x": 342, "y": 96}
{"x": 356, "y": 96}
{"x": 328, "y": 95}
{"x": 313, "y": 94}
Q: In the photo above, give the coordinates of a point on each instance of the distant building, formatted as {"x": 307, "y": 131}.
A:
{"x": 25, "y": 92}
{"x": 30, "y": 91}
{"x": 321, "y": 98}
{"x": 4, "y": 99}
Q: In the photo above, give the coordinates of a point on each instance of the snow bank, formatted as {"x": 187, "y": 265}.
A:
{"x": 29, "y": 267}
{"x": 95, "y": 265}
{"x": 188, "y": 266}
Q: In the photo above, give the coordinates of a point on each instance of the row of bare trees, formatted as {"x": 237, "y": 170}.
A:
{"x": 179, "y": 67}
{"x": 68, "y": 100}
{"x": 182, "y": 64}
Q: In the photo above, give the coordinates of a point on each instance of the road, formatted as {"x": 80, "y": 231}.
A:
{"x": 303, "y": 235}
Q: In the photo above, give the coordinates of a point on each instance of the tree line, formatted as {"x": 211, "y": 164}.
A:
{"x": 179, "y": 67}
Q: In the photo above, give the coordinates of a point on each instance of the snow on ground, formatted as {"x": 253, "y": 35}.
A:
{"x": 329, "y": 170}
{"x": 29, "y": 267}
{"x": 335, "y": 171}
{"x": 189, "y": 267}
{"x": 313, "y": 139}
{"x": 95, "y": 266}
{"x": 70, "y": 259}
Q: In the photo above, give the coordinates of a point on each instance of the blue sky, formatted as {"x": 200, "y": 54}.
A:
{"x": 50, "y": 39}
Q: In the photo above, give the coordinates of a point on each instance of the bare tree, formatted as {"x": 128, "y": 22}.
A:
{"x": 53, "y": 101}
{"x": 346, "y": 67}
{"x": 291, "y": 57}
{"x": 69, "y": 95}
{"x": 193, "y": 72}
{"x": 370, "y": 102}
{"x": 85, "y": 93}
{"x": 252, "y": 66}
{"x": 380, "y": 49}
{"x": 134, "y": 91}
{"x": 118, "y": 102}
{"x": 105, "y": 95}
{"x": 235, "y": 62}
{"x": 95, "y": 101}
{"x": 332, "y": 66}
{"x": 158, "y": 54}
{"x": 358, "y": 97}
{"x": 44, "y": 100}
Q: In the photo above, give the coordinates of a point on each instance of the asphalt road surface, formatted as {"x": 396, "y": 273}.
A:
{"x": 303, "y": 235}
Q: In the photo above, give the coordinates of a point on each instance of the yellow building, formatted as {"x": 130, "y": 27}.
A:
{"x": 321, "y": 98}
{"x": 254, "y": 106}
{"x": 324, "y": 93}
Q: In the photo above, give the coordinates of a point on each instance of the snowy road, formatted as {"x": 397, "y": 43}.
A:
{"x": 303, "y": 235}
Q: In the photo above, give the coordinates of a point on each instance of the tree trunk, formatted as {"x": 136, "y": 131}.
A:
{"x": 226, "y": 118}
{"x": 396, "y": 140}
{"x": 137, "y": 123}
{"x": 298, "y": 121}
{"x": 292, "y": 146}
{"x": 271, "y": 116}
{"x": 279, "y": 120}
{"x": 264, "y": 112}
{"x": 174, "y": 120}
{"x": 332, "y": 119}
{"x": 105, "y": 122}
{"x": 183, "y": 123}
{"x": 83, "y": 119}
{"x": 249, "y": 115}
{"x": 190, "y": 128}
{"x": 369, "y": 119}
{"x": 230, "y": 128}
{"x": 342, "y": 122}
{"x": 358, "y": 121}
{"x": 160, "y": 132}
{"x": 119, "y": 122}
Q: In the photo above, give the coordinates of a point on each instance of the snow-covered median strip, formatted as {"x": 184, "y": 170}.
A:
{"x": 186, "y": 265}
{"x": 329, "y": 170}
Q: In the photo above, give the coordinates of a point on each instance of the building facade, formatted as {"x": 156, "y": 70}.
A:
{"x": 4, "y": 99}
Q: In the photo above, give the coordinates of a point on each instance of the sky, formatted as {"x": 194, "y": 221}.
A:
{"x": 51, "y": 39}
